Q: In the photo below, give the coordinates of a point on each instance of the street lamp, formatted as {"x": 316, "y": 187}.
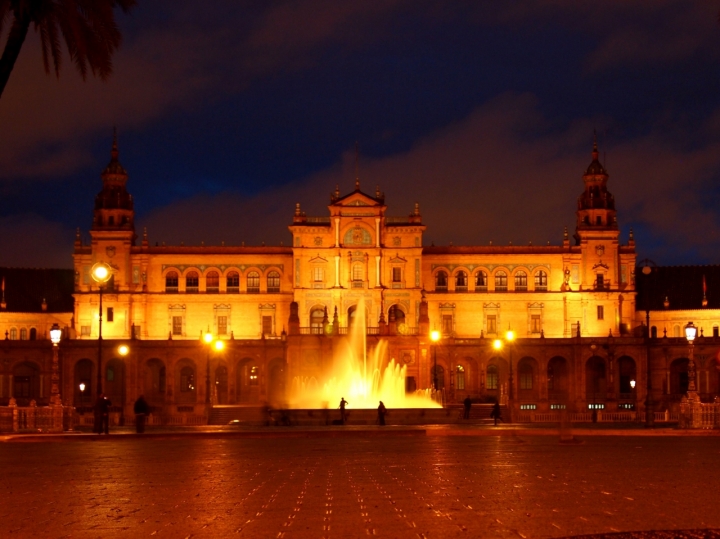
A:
{"x": 218, "y": 345}
{"x": 498, "y": 344}
{"x": 55, "y": 334}
{"x": 100, "y": 272}
{"x": 81, "y": 387}
{"x": 123, "y": 350}
{"x": 435, "y": 337}
{"x": 690, "y": 334}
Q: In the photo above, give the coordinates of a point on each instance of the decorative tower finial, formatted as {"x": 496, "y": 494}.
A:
{"x": 595, "y": 147}
{"x": 114, "y": 152}
{"x": 357, "y": 169}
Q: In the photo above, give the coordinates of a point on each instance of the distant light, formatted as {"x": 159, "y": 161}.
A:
{"x": 510, "y": 335}
{"x": 690, "y": 332}
{"x": 55, "y": 334}
{"x": 632, "y": 384}
{"x": 434, "y": 335}
{"x": 123, "y": 349}
{"x": 497, "y": 344}
{"x": 82, "y": 387}
{"x": 219, "y": 345}
{"x": 208, "y": 337}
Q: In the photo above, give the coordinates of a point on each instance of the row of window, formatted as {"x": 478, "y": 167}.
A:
{"x": 212, "y": 282}
{"x": 480, "y": 279}
{"x": 23, "y": 333}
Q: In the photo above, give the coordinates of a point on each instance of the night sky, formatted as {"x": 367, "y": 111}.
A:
{"x": 228, "y": 113}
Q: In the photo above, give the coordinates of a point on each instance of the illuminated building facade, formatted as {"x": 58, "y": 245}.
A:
{"x": 580, "y": 329}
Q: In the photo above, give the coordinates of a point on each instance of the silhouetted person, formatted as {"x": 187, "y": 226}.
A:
{"x": 381, "y": 413}
{"x": 467, "y": 403}
{"x": 496, "y": 414}
{"x": 102, "y": 414}
{"x": 343, "y": 415}
{"x": 141, "y": 409}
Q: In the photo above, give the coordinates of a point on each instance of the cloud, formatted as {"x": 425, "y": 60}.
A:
{"x": 489, "y": 177}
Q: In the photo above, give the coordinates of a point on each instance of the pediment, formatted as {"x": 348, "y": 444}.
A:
{"x": 357, "y": 199}
{"x": 318, "y": 260}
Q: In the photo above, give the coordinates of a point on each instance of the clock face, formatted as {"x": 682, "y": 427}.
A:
{"x": 600, "y": 250}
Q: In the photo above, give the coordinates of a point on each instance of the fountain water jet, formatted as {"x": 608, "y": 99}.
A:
{"x": 362, "y": 378}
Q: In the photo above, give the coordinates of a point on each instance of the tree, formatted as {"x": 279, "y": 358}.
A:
{"x": 87, "y": 27}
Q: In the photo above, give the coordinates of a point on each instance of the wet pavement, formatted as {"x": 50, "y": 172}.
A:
{"x": 371, "y": 482}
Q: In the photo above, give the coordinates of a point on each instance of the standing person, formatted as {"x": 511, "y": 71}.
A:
{"x": 496, "y": 414}
{"x": 381, "y": 413}
{"x": 141, "y": 409}
{"x": 467, "y": 403}
{"x": 102, "y": 414}
{"x": 343, "y": 416}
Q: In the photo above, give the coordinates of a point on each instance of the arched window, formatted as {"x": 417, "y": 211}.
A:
{"x": 33, "y": 334}
{"x": 212, "y": 282}
{"x": 192, "y": 282}
{"x": 525, "y": 373}
{"x": 491, "y": 379}
{"x": 253, "y": 282}
{"x": 501, "y": 281}
{"x": 254, "y": 377}
{"x": 187, "y": 379}
{"x": 461, "y": 281}
{"x": 13, "y": 334}
{"x": 441, "y": 280}
{"x": 521, "y": 281}
{"x": 273, "y": 282}
{"x": 460, "y": 377}
{"x": 317, "y": 315}
{"x": 481, "y": 281}
{"x": 23, "y": 334}
{"x": 171, "y": 282}
{"x": 541, "y": 281}
{"x": 233, "y": 282}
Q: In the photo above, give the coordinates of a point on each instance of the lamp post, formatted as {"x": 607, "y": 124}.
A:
{"x": 123, "y": 350}
{"x": 100, "y": 272}
{"x": 435, "y": 337}
{"x": 55, "y": 334}
{"x": 649, "y": 413}
{"x": 81, "y": 387}
{"x": 690, "y": 334}
{"x": 693, "y": 400}
{"x": 218, "y": 345}
{"x": 498, "y": 344}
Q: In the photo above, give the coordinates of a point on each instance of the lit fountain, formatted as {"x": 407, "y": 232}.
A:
{"x": 359, "y": 378}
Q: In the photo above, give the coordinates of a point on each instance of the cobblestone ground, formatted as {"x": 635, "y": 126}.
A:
{"x": 385, "y": 486}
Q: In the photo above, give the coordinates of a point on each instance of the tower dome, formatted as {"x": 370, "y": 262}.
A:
{"x": 113, "y": 204}
{"x": 596, "y": 205}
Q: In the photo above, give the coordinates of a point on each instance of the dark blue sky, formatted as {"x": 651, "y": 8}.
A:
{"x": 481, "y": 112}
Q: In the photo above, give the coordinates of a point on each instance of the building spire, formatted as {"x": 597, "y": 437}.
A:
{"x": 357, "y": 171}
{"x": 595, "y": 153}
{"x": 114, "y": 152}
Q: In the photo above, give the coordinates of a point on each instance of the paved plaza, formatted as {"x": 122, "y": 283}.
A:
{"x": 371, "y": 482}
